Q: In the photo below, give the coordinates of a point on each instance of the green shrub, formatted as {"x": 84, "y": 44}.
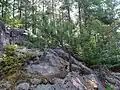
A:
{"x": 10, "y": 49}
{"x": 108, "y": 87}
{"x": 11, "y": 62}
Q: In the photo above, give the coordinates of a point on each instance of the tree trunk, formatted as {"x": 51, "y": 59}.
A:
{"x": 33, "y": 18}
{"x": 68, "y": 10}
{"x": 19, "y": 8}
{"x": 2, "y": 9}
{"x": 79, "y": 10}
{"x": 26, "y": 18}
{"x": 13, "y": 8}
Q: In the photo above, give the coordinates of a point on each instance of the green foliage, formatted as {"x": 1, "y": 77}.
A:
{"x": 108, "y": 87}
{"x": 94, "y": 45}
{"x": 15, "y": 22}
{"x": 11, "y": 61}
{"x": 88, "y": 36}
{"x": 10, "y": 49}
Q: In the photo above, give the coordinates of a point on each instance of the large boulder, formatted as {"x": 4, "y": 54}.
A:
{"x": 17, "y": 35}
{"x": 50, "y": 65}
{"x": 52, "y": 69}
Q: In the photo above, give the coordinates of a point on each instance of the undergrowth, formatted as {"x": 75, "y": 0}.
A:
{"x": 11, "y": 62}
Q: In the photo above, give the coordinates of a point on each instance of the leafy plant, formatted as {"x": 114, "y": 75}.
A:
{"x": 108, "y": 87}
{"x": 10, "y": 49}
{"x": 11, "y": 61}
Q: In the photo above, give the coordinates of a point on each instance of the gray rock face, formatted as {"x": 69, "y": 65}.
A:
{"x": 35, "y": 81}
{"x": 51, "y": 72}
{"x": 5, "y": 85}
{"x": 73, "y": 81}
{"x": 2, "y": 40}
{"x": 50, "y": 65}
{"x": 46, "y": 87}
{"x": 54, "y": 64}
{"x": 23, "y": 86}
{"x": 3, "y": 33}
{"x": 17, "y": 35}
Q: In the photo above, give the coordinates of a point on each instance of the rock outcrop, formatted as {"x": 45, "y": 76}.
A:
{"x": 50, "y": 70}
{"x": 15, "y": 36}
